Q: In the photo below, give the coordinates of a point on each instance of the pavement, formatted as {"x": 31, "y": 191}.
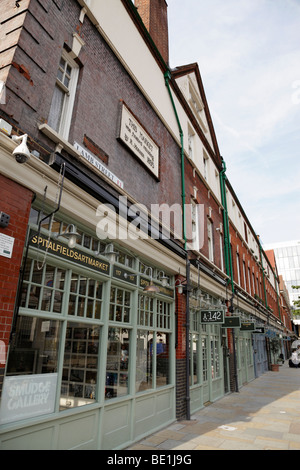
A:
{"x": 263, "y": 415}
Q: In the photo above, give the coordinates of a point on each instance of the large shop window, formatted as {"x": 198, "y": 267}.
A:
{"x": 35, "y": 347}
{"x": 87, "y": 339}
{"x": 117, "y": 366}
{"x": 80, "y": 367}
{"x": 152, "y": 347}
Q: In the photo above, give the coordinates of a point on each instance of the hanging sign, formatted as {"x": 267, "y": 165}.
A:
{"x": 144, "y": 282}
{"x": 247, "y": 326}
{"x": 259, "y": 329}
{"x": 212, "y": 316}
{"x": 124, "y": 275}
{"x": 232, "y": 322}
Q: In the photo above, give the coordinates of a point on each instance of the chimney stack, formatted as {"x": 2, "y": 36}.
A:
{"x": 154, "y": 14}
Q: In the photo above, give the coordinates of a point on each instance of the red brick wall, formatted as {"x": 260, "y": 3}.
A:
{"x": 206, "y": 198}
{"x": 15, "y": 200}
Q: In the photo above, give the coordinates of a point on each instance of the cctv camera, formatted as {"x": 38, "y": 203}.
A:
{"x": 21, "y": 153}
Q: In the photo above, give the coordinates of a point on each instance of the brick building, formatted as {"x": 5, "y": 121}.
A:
{"x": 126, "y": 233}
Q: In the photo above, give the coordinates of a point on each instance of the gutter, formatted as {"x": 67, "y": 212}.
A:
{"x": 228, "y": 258}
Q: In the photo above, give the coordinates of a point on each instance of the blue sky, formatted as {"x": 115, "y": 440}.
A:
{"x": 248, "y": 52}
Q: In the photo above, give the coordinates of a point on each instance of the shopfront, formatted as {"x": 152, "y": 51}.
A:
{"x": 208, "y": 358}
{"x": 92, "y": 360}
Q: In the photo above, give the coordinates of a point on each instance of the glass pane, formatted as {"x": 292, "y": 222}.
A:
{"x": 162, "y": 359}
{"x": 117, "y": 366}
{"x": 56, "y": 108}
{"x": 35, "y": 347}
{"x": 143, "y": 380}
{"x": 80, "y": 372}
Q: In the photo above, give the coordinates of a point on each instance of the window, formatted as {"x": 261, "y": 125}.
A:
{"x": 195, "y": 226}
{"x": 244, "y": 275}
{"x": 119, "y": 305}
{"x": 152, "y": 347}
{"x": 117, "y": 366}
{"x": 205, "y": 165}
{"x": 191, "y": 140}
{"x": 64, "y": 95}
{"x": 43, "y": 289}
{"x": 249, "y": 281}
{"x": 35, "y": 347}
{"x": 238, "y": 269}
{"x": 79, "y": 378}
{"x": 210, "y": 240}
{"x": 221, "y": 252}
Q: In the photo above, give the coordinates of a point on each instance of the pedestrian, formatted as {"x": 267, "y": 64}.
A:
{"x": 295, "y": 357}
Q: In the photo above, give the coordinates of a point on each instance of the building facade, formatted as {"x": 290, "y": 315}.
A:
{"x": 133, "y": 288}
{"x": 287, "y": 256}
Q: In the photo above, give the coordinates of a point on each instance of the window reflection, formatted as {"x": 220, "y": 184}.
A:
{"x": 35, "y": 347}
{"x": 117, "y": 366}
{"x": 80, "y": 367}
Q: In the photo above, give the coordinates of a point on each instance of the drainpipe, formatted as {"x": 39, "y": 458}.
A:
{"x": 228, "y": 258}
{"x": 167, "y": 76}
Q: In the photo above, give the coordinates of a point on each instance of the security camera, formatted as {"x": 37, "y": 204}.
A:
{"x": 21, "y": 153}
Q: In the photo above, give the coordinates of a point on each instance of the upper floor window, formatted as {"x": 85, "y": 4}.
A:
{"x": 63, "y": 96}
{"x": 210, "y": 240}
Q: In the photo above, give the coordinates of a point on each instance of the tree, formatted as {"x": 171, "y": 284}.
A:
{"x": 296, "y": 303}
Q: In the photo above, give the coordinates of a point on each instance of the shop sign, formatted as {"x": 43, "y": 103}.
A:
{"x": 71, "y": 254}
{"x": 120, "y": 273}
{"x": 6, "y": 245}
{"x": 212, "y": 316}
{"x": 27, "y": 396}
{"x": 247, "y": 326}
{"x": 96, "y": 164}
{"x": 162, "y": 290}
{"x": 232, "y": 322}
{"x": 134, "y": 136}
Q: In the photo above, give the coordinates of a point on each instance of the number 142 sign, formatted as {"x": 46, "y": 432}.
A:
{"x": 212, "y": 316}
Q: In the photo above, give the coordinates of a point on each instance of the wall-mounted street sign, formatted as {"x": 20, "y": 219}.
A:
{"x": 97, "y": 165}
{"x": 232, "y": 322}
{"x": 247, "y": 326}
{"x": 135, "y": 137}
{"x": 212, "y": 316}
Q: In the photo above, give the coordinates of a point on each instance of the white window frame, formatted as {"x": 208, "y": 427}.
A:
{"x": 195, "y": 225}
{"x": 210, "y": 239}
{"x": 69, "y": 99}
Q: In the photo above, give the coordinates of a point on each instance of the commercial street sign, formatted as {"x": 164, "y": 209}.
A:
{"x": 212, "y": 316}
{"x": 232, "y": 322}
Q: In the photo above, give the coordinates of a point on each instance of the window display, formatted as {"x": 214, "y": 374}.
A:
{"x": 35, "y": 347}
{"x": 80, "y": 367}
{"x": 117, "y": 365}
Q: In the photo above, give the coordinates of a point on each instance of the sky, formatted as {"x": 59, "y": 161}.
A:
{"x": 248, "y": 52}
